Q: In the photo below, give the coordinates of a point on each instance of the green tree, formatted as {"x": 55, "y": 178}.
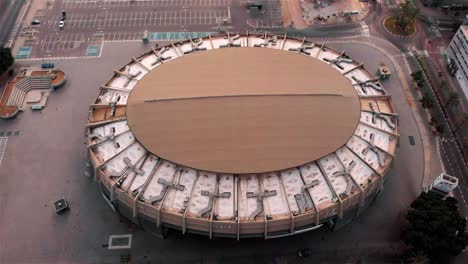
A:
{"x": 426, "y": 101}
{"x": 434, "y": 227}
{"x": 406, "y": 15}
{"x": 453, "y": 100}
{"x": 6, "y": 59}
{"x": 440, "y": 128}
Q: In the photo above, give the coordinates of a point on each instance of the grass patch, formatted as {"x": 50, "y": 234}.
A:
{"x": 390, "y": 23}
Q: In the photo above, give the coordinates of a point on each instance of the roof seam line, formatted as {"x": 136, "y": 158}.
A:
{"x": 237, "y": 95}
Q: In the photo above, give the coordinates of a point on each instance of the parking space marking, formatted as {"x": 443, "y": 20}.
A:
{"x": 95, "y": 4}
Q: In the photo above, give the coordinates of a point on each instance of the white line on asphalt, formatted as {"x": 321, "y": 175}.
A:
{"x": 3, "y": 144}
{"x": 365, "y": 29}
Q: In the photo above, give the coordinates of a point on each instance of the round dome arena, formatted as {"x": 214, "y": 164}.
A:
{"x": 241, "y": 135}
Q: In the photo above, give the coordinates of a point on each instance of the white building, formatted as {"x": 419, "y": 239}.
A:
{"x": 458, "y": 53}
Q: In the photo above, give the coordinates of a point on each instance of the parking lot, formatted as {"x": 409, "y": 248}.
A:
{"x": 81, "y": 4}
{"x": 122, "y": 19}
{"x": 89, "y": 22}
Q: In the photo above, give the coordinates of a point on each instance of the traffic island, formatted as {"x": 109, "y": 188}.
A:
{"x": 391, "y": 26}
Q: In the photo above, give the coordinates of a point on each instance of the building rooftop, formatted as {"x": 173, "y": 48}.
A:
{"x": 464, "y": 29}
{"x": 237, "y": 111}
{"x": 211, "y": 135}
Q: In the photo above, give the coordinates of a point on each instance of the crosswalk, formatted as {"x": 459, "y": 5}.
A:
{"x": 12, "y": 35}
{"x": 365, "y": 29}
{"x": 412, "y": 53}
{"x": 3, "y": 143}
{"x": 390, "y": 3}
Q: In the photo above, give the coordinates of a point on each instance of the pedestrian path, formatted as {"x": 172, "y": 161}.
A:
{"x": 365, "y": 29}
{"x": 3, "y": 143}
{"x": 391, "y": 3}
{"x": 412, "y": 53}
{"x": 12, "y": 35}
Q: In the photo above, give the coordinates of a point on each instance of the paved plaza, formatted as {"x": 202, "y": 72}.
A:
{"x": 81, "y": 235}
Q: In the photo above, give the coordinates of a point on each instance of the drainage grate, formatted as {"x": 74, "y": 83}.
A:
{"x": 3, "y": 143}
{"x": 411, "y": 140}
{"x": 120, "y": 241}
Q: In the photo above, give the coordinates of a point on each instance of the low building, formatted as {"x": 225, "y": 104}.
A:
{"x": 457, "y": 57}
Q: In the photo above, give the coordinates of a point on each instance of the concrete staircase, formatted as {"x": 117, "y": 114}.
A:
{"x": 20, "y": 90}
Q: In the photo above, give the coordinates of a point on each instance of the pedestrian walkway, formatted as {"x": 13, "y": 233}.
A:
{"x": 3, "y": 143}
{"x": 12, "y": 35}
{"x": 365, "y": 29}
{"x": 412, "y": 53}
{"x": 391, "y": 3}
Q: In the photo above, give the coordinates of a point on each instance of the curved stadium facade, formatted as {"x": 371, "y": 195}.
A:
{"x": 240, "y": 136}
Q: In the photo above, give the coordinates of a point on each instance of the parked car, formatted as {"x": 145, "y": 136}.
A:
{"x": 35, "y": 22}
{"x": 61, "y": 24}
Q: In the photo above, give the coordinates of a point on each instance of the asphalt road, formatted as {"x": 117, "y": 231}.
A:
{"x": 8, "y": 12}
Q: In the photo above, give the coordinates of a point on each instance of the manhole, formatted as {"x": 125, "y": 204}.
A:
{"x": 120, "y": 241}
{"x": 60, "y": 206}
